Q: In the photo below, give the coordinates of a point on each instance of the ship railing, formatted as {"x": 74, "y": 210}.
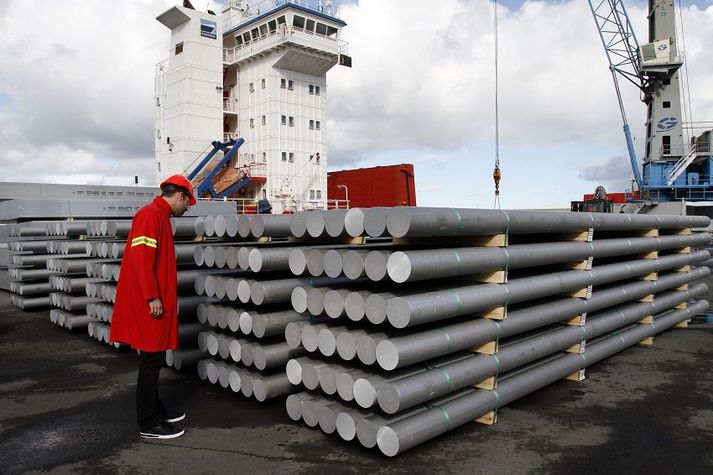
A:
{"x": 702, "y": 147}
{"x": 273, "y": 37}
{"x": 285, "y": 205}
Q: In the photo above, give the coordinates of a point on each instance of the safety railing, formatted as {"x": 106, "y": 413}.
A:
{"x": 282, "y": 34}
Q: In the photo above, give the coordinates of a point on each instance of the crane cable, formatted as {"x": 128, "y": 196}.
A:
{"x": 497, "y": 174}
{"x": 686, "y": 93}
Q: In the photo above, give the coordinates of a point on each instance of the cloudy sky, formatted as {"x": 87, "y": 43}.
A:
{"x": 76, "y": 88}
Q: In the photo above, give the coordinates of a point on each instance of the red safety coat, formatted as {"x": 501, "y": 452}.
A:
{"x": 148, "y": 271}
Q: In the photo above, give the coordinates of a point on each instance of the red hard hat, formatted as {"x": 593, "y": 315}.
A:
{"x": 182, "y": 181}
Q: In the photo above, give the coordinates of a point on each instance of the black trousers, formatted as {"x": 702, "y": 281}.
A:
{"x": 149, "y": 409}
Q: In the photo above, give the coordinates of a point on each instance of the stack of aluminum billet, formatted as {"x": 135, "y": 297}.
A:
{"x": 246, "y": 338}
{"x": 186, "y": 233}
{"x": 472, "y": 309}
{"x": 69, "y": 257}
{"x": 28, "y": 245}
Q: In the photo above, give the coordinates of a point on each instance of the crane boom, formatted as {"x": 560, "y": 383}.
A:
{"x": 621, "y": 47}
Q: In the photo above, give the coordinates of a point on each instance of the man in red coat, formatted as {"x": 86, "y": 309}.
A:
{"x": 145, "y": 314}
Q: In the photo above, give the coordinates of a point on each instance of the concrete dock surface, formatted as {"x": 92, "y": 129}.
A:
{"x": 67, "y": 406}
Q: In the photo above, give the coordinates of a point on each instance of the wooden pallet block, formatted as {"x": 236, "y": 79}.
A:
{"x": 491, "y": 240}
{"x": 651, "y": 233}
{"x": 647, "y": 341}
{"x": 488, "y": 419}
{"x": 686, "y": 268}
{"x": 578, "y": 348}
{"x": 577, "y": 376}
{"x": 489, "y": 348}
{"x": 264, "y": 239}
{"x": 683, "y": 324}
{"x": 495, "y": 277}
{"x": 577, "y": 321}
{"x": 586, "y": 264}
{"x": 685, "y": 250}
{"x": 681, "y": 305}
{"x": 653, "y": 276}
{"x": 648, "y": 298}
{"x": 498, "y": 313}
{"x": 584, "y": 293}
{"x": 488, "y": 383}
{"x": 682, "y": 287}
{"x": 647, "y": 320}
{"x": 650, "y": 255}
{"x": 348, "y": 240}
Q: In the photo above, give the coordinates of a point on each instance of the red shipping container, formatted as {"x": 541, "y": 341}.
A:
{"x": 391, "y": 185}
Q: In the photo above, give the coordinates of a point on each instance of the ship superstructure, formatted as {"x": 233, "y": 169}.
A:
{"x": 256, "y": 71}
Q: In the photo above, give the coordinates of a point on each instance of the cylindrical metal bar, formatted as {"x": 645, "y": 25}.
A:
{"x": 400, "y": 436}
{"x": 277, "y": 225}
{"x": 416, "y": 389}
{"x": 273, "y": 323}
{"x": 267, "y": 356}
{"x": 404, "y": 350}
{"x": 219, "y": 226}
{"x": 271, "y": 386}
{"x": 410, "y": 266}
{"x": 375, "y": 221}
{"x": 353, "y": 264}
{"x": 334, "y": 223}
{"x": 280, "y": 290}
{"x": 269, "y": 260}
{"x": 431, "y": 306}
{"x": 422, "y": 222}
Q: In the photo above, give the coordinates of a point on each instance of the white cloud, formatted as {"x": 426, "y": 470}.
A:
{"x": 76, "y": 88}
{"x": 423, "y": 76}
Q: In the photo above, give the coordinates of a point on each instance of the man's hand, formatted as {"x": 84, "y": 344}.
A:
{"x": 156, "y": 309}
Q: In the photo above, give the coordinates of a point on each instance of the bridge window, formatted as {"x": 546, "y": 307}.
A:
{"x": 321, "y": 29}
{"x": 298, "y": 22}
{"x": 284, "y": 156}
{"x": 316, "y": 90}
{"x": 290, "y": 84}
{"x": 292, "y": 121}
{"x": 311, "y": 124}
{"x": 281, "y": 20}
{"x": 263, "y": 30}
{"x": 318, "y": 125}
{"x": 311, "y": 88}
{"x": 292, "y": 157}
{"x": 254, "y": 34}
{"x": 179, "y": 48}
{"x": 272, "y": 26}
{"x": 310, "y": 25}
{"x": 283, "y": 83}
{"x": 246, "y": 37}
{"x": 283, "y": 120}
{"x": 332, "y": 32}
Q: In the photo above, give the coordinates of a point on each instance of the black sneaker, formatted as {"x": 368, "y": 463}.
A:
{"x": 172, "y": 416}
{"x": 162, "y": 430}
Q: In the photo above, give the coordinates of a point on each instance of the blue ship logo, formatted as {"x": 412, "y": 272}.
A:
{"x": 667, "y": 123}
